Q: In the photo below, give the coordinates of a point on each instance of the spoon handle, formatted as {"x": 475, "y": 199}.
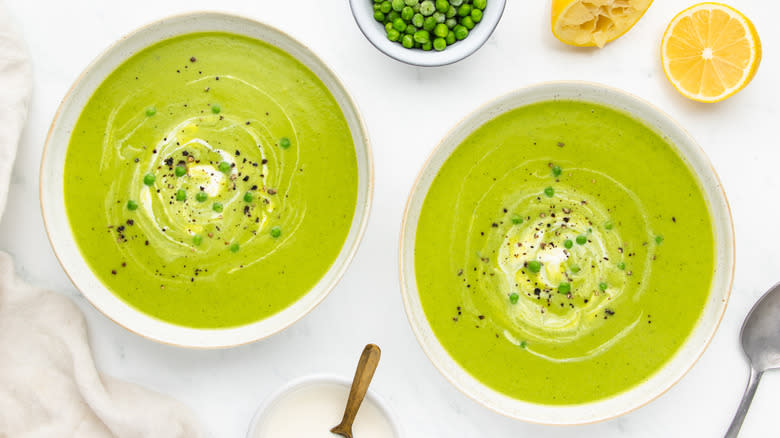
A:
{"x": 736, "y": 424}
{"x": 363, "y": 375}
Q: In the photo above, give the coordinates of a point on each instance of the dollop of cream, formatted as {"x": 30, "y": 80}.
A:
{"x": 584, "y": 266}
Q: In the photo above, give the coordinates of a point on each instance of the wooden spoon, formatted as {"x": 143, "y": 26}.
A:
{"x": 363, "y": 375}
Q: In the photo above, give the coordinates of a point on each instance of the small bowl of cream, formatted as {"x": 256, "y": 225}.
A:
{"x": 310, "y": 406}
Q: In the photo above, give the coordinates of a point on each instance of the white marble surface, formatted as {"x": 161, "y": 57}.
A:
{"x": 407, "y": 110}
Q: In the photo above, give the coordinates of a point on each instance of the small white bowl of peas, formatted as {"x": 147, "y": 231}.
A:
{"x": 427, "y": 32}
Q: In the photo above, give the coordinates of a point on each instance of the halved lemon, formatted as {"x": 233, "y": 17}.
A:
{"x": 710, "y": 51}
{"x": 586, "y": 23}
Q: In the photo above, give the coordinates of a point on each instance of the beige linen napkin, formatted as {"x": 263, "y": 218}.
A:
{"x": 49, "y": 386}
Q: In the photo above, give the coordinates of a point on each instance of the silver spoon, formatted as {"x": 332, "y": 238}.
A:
{"x": 761, "y": 342}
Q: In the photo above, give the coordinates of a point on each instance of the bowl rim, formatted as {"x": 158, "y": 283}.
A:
{"x": 360, "y": 215}
{"x": 419, "y": 58}
{"x": 319, "y": 379}
{"x": 729, "y": 236}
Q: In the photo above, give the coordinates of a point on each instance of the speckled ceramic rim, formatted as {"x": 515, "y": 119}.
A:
{"x": 363, "y": 12}
{"x": 52, "y": 166}
{"x": 705, "y": 328}
{"x": 319, "y": 379}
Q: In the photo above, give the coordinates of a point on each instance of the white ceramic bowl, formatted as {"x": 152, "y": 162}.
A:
{"x": 265, "y": 408}
{"x": 53, "y": 204}
{"x": 363, "y": 11}
{"x": 705, "y": 328}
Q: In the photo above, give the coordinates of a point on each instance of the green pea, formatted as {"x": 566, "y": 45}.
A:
{"x": 180, "y": 170}
{"x": 393, "y": 35}
{"x": 659, "y": 239}
{"x": 149, "y": 179}
{"x": 248, "y": 197}
{"x": 568, "y": 244}
{"x": 215, "y": 109}
{"x": 517, "y": 219}
{"x": 234, "y": 247}
{"x": 451, "y": 12}
{"x": 608, "y": 225}
{"x": 197, "y": 239}
{"x": 411, "y": 2}
{"x": 151, "y": 111}
{"x": 442, "y": 5}
{"x": 181, "y": 195}
{"x": 393, "y": 15}
{"x": 468, "y": 22}
{"x": 410, "y": 30}
{"x": 388, "y": 27}
{"x": 464, "y": 10}
{"x": 564, "y": 288}
{"x": 456, "y": 3}
{"x": 224, "y": 167}
{"x": 534, "y": 266}
{"x": 476, "y": 15}
{"x": 386, "y": 7}
{"x": 480, "y": 4}
{"x": 407, "y": 41}
{"x": 549, "y": 192}
{"x": 217, "y": 207}
{"x": 418, "y": 20}
{"x": 621, "y": 266}
{"x": 407, "y": 13}
{"x": 427, "y": 46}
{"x": 460, "y": 32}
{"x": 603, "y": 286}
{"x": 450, "y": 38}
{"x": 397, "y": 5}
{"x": 429, "y": 24}
{"x": 514, "y": 298}
{"x": 556, "y": 171}
{"x": 202, "y": 196}
{"x": 575, "y": 269}
{"x": 422, "y": 36}
{"x": 451, "y": 23}
{"x": 439, "y": 17}
{"x": 132, "y": 205}
{"x": 276, "y": 232}
{"x": 427, "y": 8}
{"x": 399, "y": 24}
{"x": 439, "y": 44}
{"x": 376, "y": 7}
{"x": 582, "y": 239}
{"x": 441, "y": 30}
{"x": 285, "y": 143}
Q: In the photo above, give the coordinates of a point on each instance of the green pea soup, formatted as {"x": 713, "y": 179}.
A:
{"x": 211, "y": 180}
{"x": 564, "y": 253}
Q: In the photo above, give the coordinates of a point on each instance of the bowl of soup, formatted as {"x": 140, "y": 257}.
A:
{"x": 206, "y": 181}
{"x": 567, "y": 253}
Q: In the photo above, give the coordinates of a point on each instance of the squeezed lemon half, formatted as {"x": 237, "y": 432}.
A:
{"x": 710, "y": 51}
{"x": 588, "y": 23}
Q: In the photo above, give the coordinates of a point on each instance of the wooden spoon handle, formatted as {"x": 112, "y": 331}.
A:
{"x": 363, "y": 375}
